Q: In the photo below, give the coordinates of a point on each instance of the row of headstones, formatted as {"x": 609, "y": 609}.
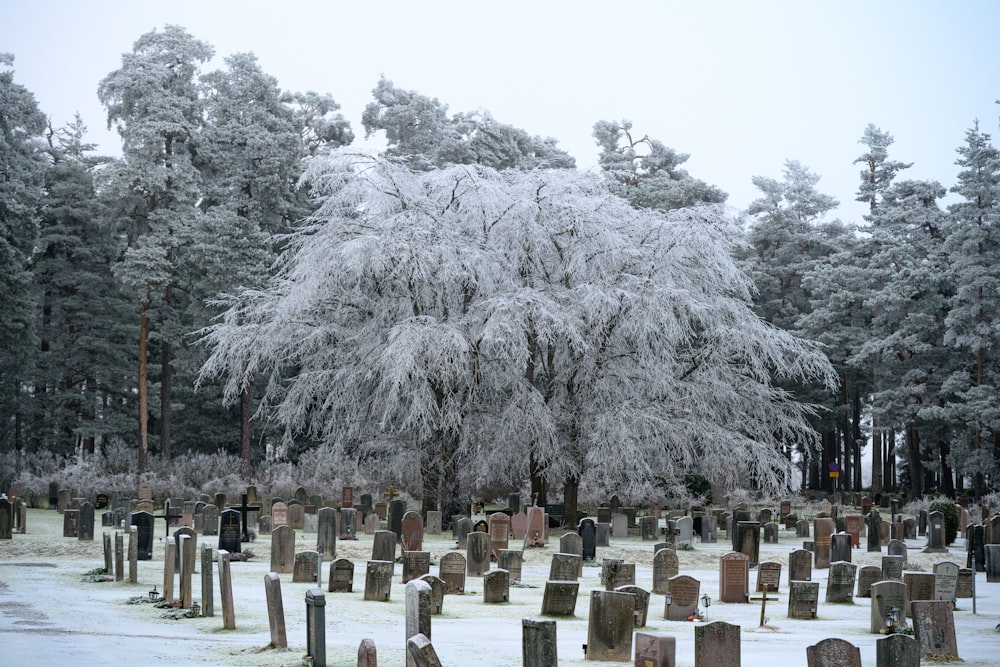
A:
{"x": 13, "y": 517}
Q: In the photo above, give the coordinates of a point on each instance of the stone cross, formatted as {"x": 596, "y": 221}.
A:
{"x": 167, "y": 516}
{"x": 244, "y": 509}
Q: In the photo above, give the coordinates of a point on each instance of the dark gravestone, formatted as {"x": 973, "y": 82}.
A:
{"x": 188, "y": 532}
{"x": 771, "y": 533}
{"x": 143, "y": 521}
{"x": 282, "y": 550}
{"x": 840, "y": 582}
{"x": 897, "y": 650}
{"x": 734, "y": 577}
{"x": 935, "y": 533}
{"x": 296, "y": 516}
{"x": 892, "y": 567}
{"x": 748, "y": 537}
{"x": 873, "y": 523}
{"x": 833, "y": 652}
{"x": 6, "y": 519}
{"x": 378, "y": 580}
{"x": 349, "y": 524}
{"x": 655, "y": 649}
{"x": 210, "y": 520}
{"x": 230, "y": 531}
{"x": 538, "y": 643}
{"x": 415, "y": 564}
{"x": 992, "y": 558}
{"x": 867, "y": 576}
{"x": 397, "y": 508}
{"x": 934, "y": 629}
{"x": 919, "y": 586}
{"x": 71, "y": 522}
{"x": 477, "y": 554}
{"x": 976, "y": 543}
{"x": 641, "y": 603}
{"x": 800, "y": 565}
{"x": 341, "y": 578}
{"x": 559, "y": 598}
{"x": 709, "y": 530}
{"x": 85, "y": 527}
{"x": 603, "y": 534}
{"x": 384, "y": 546}
{"x": 665, "y": 566}
{"x": 684, "y": 591}
{"x": 511, "y": 560}
{"x": 840, "y": 547}
{"x": 588, "y": 536}
{"x": 496, "y": 586}
{"x": 609, "y": 630}
{"x": 803, "y": 599}
{"x": 451, "y": 571}
{"x": 822, "y": 530}
{"x": 768, "y": 577}
{"x": 412, "y": 527}
{"x": 616, "y": 572}
{"x": 564, "y": 567}
{"x": 326, "y": 532}
{"x": 717, "y": 645}
{"x": 305, "y": 568}
{"x": 649, "y": 528}
{"x": 886, "y": 595}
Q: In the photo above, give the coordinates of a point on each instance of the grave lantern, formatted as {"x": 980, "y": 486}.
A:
{"x": 154, "y": 594}
{"x": 891, "y": 619}
{"x": 670, "y": 598}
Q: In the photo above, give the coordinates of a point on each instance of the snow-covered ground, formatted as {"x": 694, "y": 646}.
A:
{"x": 50, "y": 616}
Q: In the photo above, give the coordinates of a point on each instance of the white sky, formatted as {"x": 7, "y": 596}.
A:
{"x": 741, "y": 86}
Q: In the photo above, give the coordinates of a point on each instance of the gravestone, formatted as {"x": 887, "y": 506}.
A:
{"x": 748, "y": 540}
{"x": 615, "y": 573}
{"x": 264, "y": 525}
{"x": 85, "y": 522}
{"x": 709, "y": 530}
{"x": 609, "y": 630}
{"x": 619, "y": 526}
{"x": 946, "y": 580}
{"x": 417, "y": 598}
{"x": 803, "y": 599}
{"x": 801, "y": 528}
{"x": 571, "y": 543}
{"x": 655, "y": 649}
{"x": 207, "y": 587}
{"x": 641, "y": 603}
{"x": 784, "y": 509}
{"x": 649, "y": 528}
{"x": 464, "y": 526}
{"x": 316, "y": 627}
{"x": 496, "y": 586}
{"x": 412, "y": 526}
{"x": 840, "y": 582}
{"x": 229, "y": 531}
{"x": 919, "y": 586}
{"x": 897, "y": 548}
{"x": 477, "y": 554}
{"x": 397, "y": 508}
{"x": 833, "y": 652}
{"x": 991, "y": 554}
{"x": 934, "y": 629}
{"x": 341, "y": 579}
{"x": 840, "y": 547}
{"x": 587, "y": 531}
{"x": 975, "y": 544}
{"x": 518, "y": 526}
{"x": 511, "y": 560}
{"x": 378, "y": 580}
{"x": 892, "y": 567}
{"x": 853, "y": 528}
{"x": 372, "y": 523}
{"x": 873, "y": 523}
{"x": 120, "y": 554}
{"x": 210, "y": 520}
{"x": 279, "y": 515}
{"x": 186, "y": 552}
{"x": 684, "y": 527}
{"x": 296, "y": 516}
{"x": 538, "y": 643}
{"x": 922, "y": 523}
{"x": 282, "y": 550}
{"x": 225, "y": 590}
{"x": 275, "y": 610}
{"x": 384, "y": 546}
{"x": 451, "y": 570}
{"x": 143, "y": 521}
{"x": 326, "y": 531}
{"x": 603, "y": 535}
{"x": 437, "y": 593}
{"x": 499, "y": 529}
{"x": 559, "y": 598}
{"x": 433, "y": 525}
{"x": 421, "y": 651}
{"x": 305, "y": 567}
{"x": 415, "y": 564}
{"x": 886, "y": 595}
{"x": 771, "y": 533}
{"x": 564, "y": 567}
{"x": 301, "y": 495}
{"x": 800, "y": 565}
{"x": 109, "y": 566}
{"x": 169, "y": 569}
{"x": 909, "y": 528}
{"x": 684, "y": 592}
{"x": 897, "y": 650}
{"x": 822, "y": 530}
{"x": 133, "y": 555}
{"x": 717, "y": 645}
{"x": 71, "y": 522}
{"x": 734, "y": 577}
{"x": 868, "y": 575}
{"x": 768, "y": 577}
{"x": 665, "y": 566}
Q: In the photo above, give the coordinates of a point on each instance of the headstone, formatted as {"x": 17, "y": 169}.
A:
{"x": 421, "y": 651}
{"x": 384, "y": 546}
{"x": 886, "y": 595}
{"x": 717, "y": 645}
{"x": 803, "y": 599}
{"x": 734, "y": 577}
{"x": 976, "y": 543}
{"x": 641, "y": 603}
{"x": 892, "y": 567}
{"x": 684, "y": 592}
{"x": 264, "y": 525}
{"x": 785, "y": 509}
{"x": 225, "y": 590}
{"x": 649, "y": 528}
{"x": 499, "y": 524}
{"x": 133, "y": 555}
{"x": 341, "y": 579}
{"x": 684, "y": 527}
{"x": 564, "y": 567}
{"x": 571, "y": 543}
{"x": 840, "y": 547}
{"x": 822, "y": 530}
{"x": 615, "y": 572}
{"x": 771, "y": 533}
{"x": 934, "y": 629}
{"x": 559, "y": 598}
{"x": 143, "y": 521}
{"x": 603, "y": 535}
{"x": 919, "y": 586}
{"x": 768, "y": 577}
{"x": 230, "y": 531}
{"x": 709, "y": 530}
{"x": 897, "y": 650}
{"x": 296, "y": 516}
{"x": 120, "y": 555}
{"x": 477, "y": 554}
{"x": 496, "y": 586}
{"x": 275, "y": 610}
{"x": 665, "y": 566}
{"x": 210, "y": 520}
{"x": 282, "y": 550}
{"x": 372, "y": 523}
{"x": 963, "y": 589}
{"x": 305, "y": 568}
{"x": 867, "y": 576}
{"x": 538, "y": 643}
{"x": 946, "y": 580}
{"x": 451, "y": 570}
{"x": 415, "y": 564}
{"x": 219, "y": 500}
{"x": 316, "y": 627}
{"x": 655, "y": 649}
{"x": 840, "y": 582}
{"x": 412, "y": 526}
{"x": 169, "y": 569}
{"x": 397, "y": 508}
{"x": 587, "y": 530}
{"x": 833, "y": 652}
{"x": 535, "y": 535}
{"x": 463, "y": 526}
{"x": 437, "y": 592}
{"x": 418, "y": 612}
{"x": 207, "y": 579}
{"x": 873, "y": 523}
{"x": 378, "y": 580}
{"x": 619, "y": 526}
{"x": 512, "y": 561}
{"x": 801, "y": 528}
{"x": 279, "y": 515}
{"x": 187, "y": 548}
{"x": 71, "y": 522}
{"x": 609, "y": 630}
{"x": 800, "y": 565}
{"x": 326, "y": 531}
{"x": 897, "y": 548}
{"x": 922, "y": 523}
{"x": 433, "y": 526}
{"x": 85, "y": 522}
{"x": 991, "y": 554}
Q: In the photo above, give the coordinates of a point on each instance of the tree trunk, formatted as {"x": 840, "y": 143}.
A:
{"x": 913, "y": 459}
{"x": 539, "y": 486}
{"x": 166, "y": 391}
{"x": 143, "y": 384}
{"x": 451, "y": 499}
{"x": 947, "y": 476}
{"x": 876, "y": 460}
{"x": 571, "y": 490}
{"x": 246, "y": 431}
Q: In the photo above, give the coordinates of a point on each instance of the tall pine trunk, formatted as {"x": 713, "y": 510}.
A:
{"x": 143, "y": 384}
{"x": 246, "y": 432}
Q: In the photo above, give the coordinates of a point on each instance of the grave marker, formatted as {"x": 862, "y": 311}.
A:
{"x": 341, "y": 579}
{"x": 477, "y": 554}
{"x": 207, "y": 589}
{"x": 412, "y": 526}
{"x": 609, "y": 630}
{"x": 326, "y": 531}
{"x": 665, "y": 566}
{"x": 734, "y": 577}
{"x": 538, "y": 643}
{"x": 282, "y": 550}
{"x": 886, "y": 595}
{"x": 840, "y": 582}
{"x": 683, "y": 595}
{"x": 768, "y": 577}
{"x": 934, "y": 629}
{"x": 416, "y": 564}
{"x": 418, "y": 612}
{"x": 833, "y": 652}
{"x": 512, "y": 561}
{"x": 384, "y": 546}
{"x": 275, "y": 610}
{"x": 316, "y": 627}
{"x": 306, "y": 567}
{"x": 717, "y": 645}
{"x": 559, "y": 598}
{"x": 230, "y": 531}
{"x": 378, "y": 580}
{"x": 452, "y": 572}
{"x": 496, "y": 586}
{"x": 803, "y": 599}
{"x": 867, "y": 576}
{"x": 897, "y": 650}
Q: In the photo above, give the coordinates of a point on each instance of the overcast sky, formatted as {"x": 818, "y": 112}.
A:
{"x": 740, "y": 86}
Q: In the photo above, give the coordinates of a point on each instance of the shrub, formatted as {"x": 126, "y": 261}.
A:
{"x": 950, "y": 512}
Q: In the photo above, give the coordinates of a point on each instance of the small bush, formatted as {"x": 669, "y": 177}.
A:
{"x": 950, "y": 512}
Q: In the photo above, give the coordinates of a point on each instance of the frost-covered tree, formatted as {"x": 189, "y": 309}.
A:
{"x": 153, "y": 101}
{"x": 879, "y": 170}
{"x": 478, "y": 324}
{"x": 648, "y": 173}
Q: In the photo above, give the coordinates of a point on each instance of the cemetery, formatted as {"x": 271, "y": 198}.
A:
{"x": 248, "y": 588}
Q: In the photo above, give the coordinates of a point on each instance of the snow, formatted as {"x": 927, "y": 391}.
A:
{"x": 50, "y": 615}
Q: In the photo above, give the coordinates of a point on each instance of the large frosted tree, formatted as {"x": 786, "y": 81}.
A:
{"x": 466, "y": 324}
